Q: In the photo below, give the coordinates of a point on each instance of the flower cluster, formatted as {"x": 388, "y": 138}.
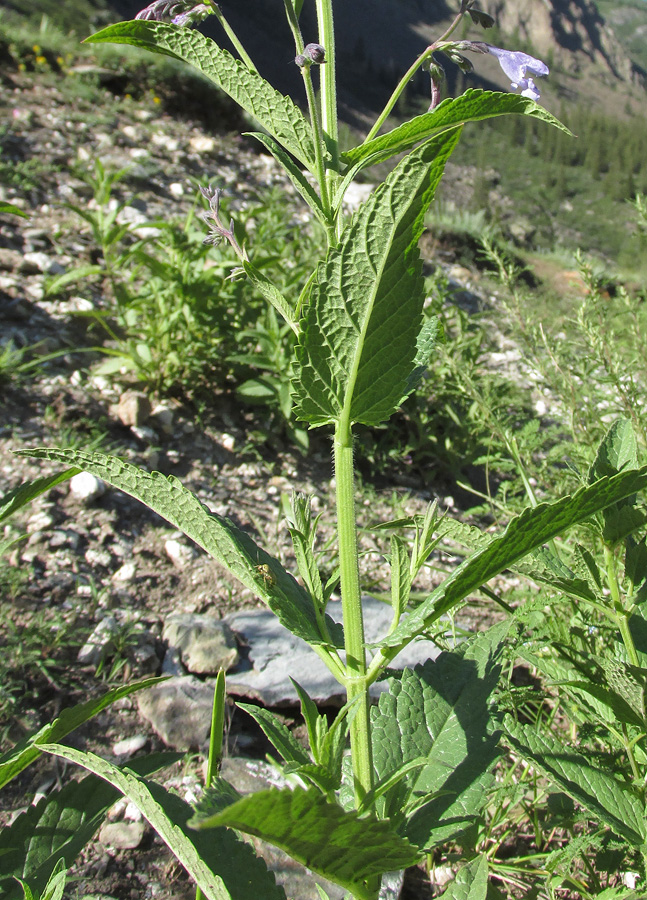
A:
{"x": 217, "y": 229}
{"x": 176, "y": 12}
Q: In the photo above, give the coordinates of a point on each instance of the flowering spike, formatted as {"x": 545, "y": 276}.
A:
{"x": 177, "y": 12}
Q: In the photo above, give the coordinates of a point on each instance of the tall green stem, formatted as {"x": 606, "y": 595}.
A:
{"x": 621, "y": 612}
{"x": 393, "y": 99}
{"x": 328, "y": 74}
{"x": 411, "y": 71}
{"x": 233, "y": 37}
{"x": 318, "y": 141}
{"x": 356, "y": 682}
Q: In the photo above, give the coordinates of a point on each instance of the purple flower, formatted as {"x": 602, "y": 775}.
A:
{"x": 177, "y": 12}
{"x": 519, "y": 67}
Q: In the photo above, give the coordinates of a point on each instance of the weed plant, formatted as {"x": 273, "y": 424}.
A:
{"x": 533, "y": 793}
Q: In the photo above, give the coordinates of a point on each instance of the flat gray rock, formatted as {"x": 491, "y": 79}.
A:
{"x": 272, "y": 654}
{"x": 179, "y": 711}
{"x": 205, "y": 644}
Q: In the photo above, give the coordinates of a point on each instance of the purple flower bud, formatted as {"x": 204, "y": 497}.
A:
{"x": 519, "y": 67}
{"x": 313, "y": 54}
{"x": 177, "y": 12}
{"x": 316, "y": 53}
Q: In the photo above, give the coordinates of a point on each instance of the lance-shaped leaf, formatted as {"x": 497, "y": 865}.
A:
{"x": 27, "y": 750}
{"x": 13, "y": 209}
{"x": 618, "y": 451}
{"x": 472, "y": 106}
{"x": 609, "y": 800}
{"x": 471, "y": 881}
{"x": 359, "y": 340}
{"x": 59, "y": 826}
{"x": 526, "y": 532}
{"x": 439, "y": 712}
{"x": 29, "y": 490}
{"x": 337, "y": 844}
{"x": 275, "y": 112}
{"x": 224, "y": 541}
{"x": 223, "y": 867}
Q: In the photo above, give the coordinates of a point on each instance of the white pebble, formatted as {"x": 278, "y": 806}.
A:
{"x": 86, "y": 487}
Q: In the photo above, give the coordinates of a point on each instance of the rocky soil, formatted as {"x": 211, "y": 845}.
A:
{"x": 94, "y": 587}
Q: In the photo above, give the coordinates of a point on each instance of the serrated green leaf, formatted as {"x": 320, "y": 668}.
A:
{"x": 439, "y": 712}
{"x": 29, "y": 490}
{"x": 59, "y": 826}
{"x": 533, "y": 528}
{"x": 27, "y": 750}
{"x": 400, "y": 576}
{"x": 618, "y": 451}
{"x": 472, "y": 106}
{"x": 431, "y": 334}
{"x": 320, "y": 834}
{"x": 276, "y": 113}
{"x": 621, "y": 710}
{"x": 13, "y": 209}
{"x": 471, "y": 882}
{"x": 359, "y": 339}
{"x": 545, "y": 567}
{"x": 218, "y": 536}
{"x": 278, "y": 734}
{"x": 222, "y": 866}
{"x": 621, "y": 521}
{"x": 56, "y": 884}
{"x": 607, "y": 799}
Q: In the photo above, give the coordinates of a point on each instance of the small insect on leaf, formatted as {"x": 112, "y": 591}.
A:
{"x": 266, "y": 574}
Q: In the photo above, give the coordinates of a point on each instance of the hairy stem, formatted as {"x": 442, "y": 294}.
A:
{"x": 356, "y": 682}
{"x": 233, "y": 37}
{"x": 329, "y": 89}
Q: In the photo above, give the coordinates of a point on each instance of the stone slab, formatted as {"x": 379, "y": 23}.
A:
{"x": 271, "y": 654}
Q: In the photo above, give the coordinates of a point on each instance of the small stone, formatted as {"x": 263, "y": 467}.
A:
{"x": 206, "y": 644}
{"x": 125, "y": 573}
{"x": 36, "y": 262}
{"x": 228, "y": 442}
{"x": 176, "y": 190}
{"x": 39, "y": 521}
{"x": 130, "y": 746}
{"x": 86, "y": 487}
{"x": 203, "y": 144}
{"x": 10, "y": 259}
{"x": 122, "y": 835}
{"x": 131, "y": 132}
{"x": 164, "y": 417}
{"x": 133, "y": 408}
{"x": 172, "y": 663}
{"x": 180, "y": 554}
{"x": 98, "y": 557}
{"x": 35, "y": 292}
{"x": 143, "y": 433}
{"x": 179, "y": 710}
{"x": 99, "y": 644}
